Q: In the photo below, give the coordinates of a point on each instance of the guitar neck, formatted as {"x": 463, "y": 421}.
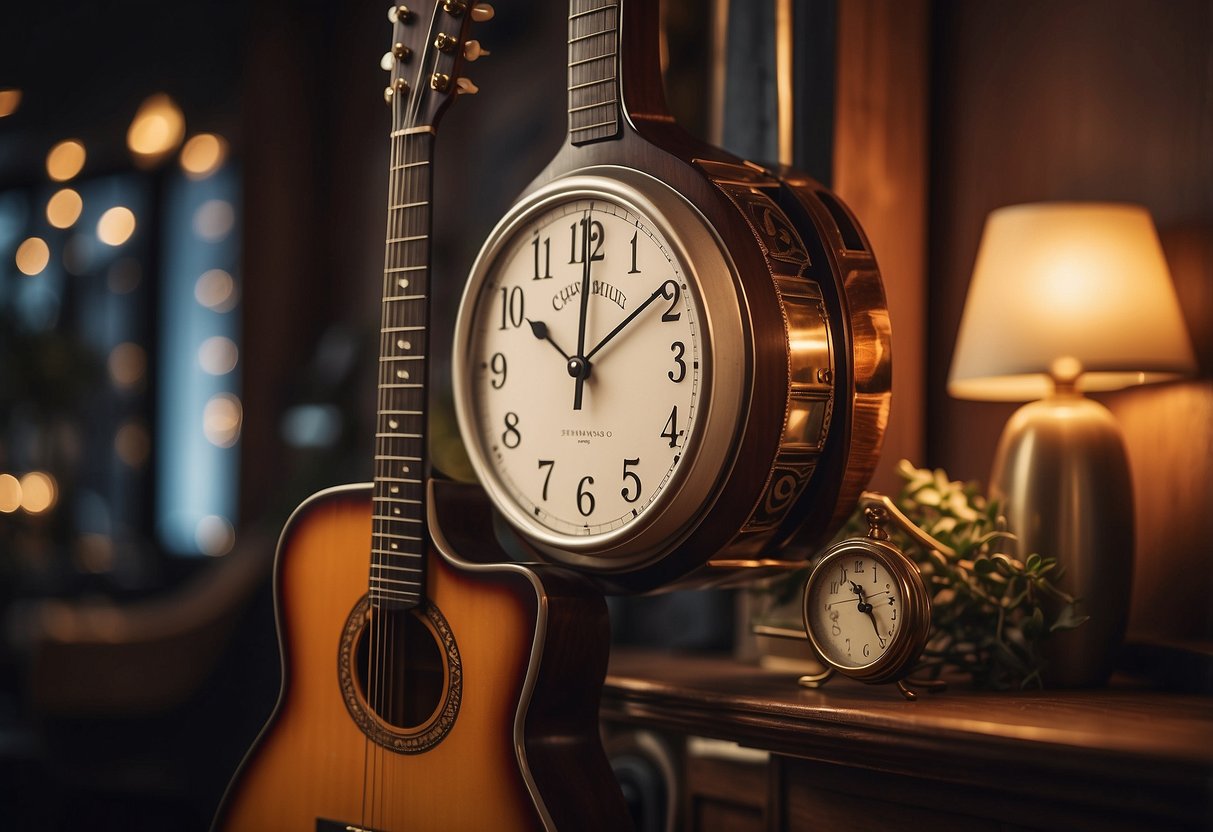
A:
{"x": 593, "y": 70}
{"x": 399, "y": 536}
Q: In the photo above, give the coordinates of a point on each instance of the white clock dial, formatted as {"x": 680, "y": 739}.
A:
{"x": 854, "y": 609}
{"x": 587, "y": 361}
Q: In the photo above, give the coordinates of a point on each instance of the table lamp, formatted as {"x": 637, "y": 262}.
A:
{"x": 1068, "y": 298}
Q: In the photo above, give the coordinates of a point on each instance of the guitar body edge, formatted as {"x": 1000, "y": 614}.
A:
{"x": 515, "y": 720}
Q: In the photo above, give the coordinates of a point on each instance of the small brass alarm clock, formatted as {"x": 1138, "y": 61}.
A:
{"x": 866, "y": 609}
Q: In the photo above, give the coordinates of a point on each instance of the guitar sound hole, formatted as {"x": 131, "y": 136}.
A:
{"x": 400, "y": 668}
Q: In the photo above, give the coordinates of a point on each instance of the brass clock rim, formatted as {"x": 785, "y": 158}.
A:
{"x": 710, "y": 453}
{"x": 909, "y": 639}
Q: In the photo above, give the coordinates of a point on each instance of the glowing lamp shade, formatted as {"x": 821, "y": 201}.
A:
{"x": 1066, "y": 282}
{"x": 1066, "y": 298}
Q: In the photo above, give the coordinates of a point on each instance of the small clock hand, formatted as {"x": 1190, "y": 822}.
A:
{"x": 660, "y": 292}
{"x": 866, "y": 608}
{"x": 541, "y": 331}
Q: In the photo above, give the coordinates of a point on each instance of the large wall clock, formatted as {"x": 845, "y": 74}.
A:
{"x": 668, "y": 362}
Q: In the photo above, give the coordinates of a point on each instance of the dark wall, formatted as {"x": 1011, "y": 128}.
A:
{"x": 1087, "y": 100}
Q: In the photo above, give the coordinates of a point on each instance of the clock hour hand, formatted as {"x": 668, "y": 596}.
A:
{"x": 665, "y": 290}
{"x": 541, "y": 331}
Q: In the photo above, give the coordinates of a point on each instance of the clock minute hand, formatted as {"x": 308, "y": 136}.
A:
{"x": 579, "y": 365}
{"x": 660, "y": 292}
{"x": 866, "y": 608}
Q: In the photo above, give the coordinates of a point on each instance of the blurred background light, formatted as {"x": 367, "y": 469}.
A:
{"x": 65, "y": 160}
{"x": 127, "y": 364}
{"x": 156, "y": 130}
{"x": 10, "y": 100}
{"x": 64, "y": 208}
{"x": 214, "y": 219}
{"x": 116, "y": 225}
{"x": 203, "y": 154}
{"x": 221, "y": 420}
{"x": 132, "y": 443}
{"x": 32, "y": 256}
{"x": 218, "y": 355}
{"x": 215, "y": 535}
{"x": 216, "y": 290}
{"x": 10, "y": 494}
{"x": 38, "y": 492}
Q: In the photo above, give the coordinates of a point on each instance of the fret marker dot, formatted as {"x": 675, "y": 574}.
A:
{"x": 404, "y": 282}
{"x": 405, "y": 345}
{"x": 402, "y": 374}
{"x": 395, "y": 489}
{"x": 395, "y": 546}
{"x": 402, "y": 344}
{"x": 404, "y": 468}
{"x": 393, "y": 424}
{"x": 396, "y": 511}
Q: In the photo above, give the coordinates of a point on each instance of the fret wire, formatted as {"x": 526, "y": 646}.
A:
{"x": 594, "y": 126}
{"x": 591, "y": 83}
{"x": 590, "y": 59}
{"x": 604, "y": 8}
{"x": 592, "y": 106}
{"x": 612, "y": 30}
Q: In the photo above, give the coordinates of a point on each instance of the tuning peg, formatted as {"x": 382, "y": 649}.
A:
{"x": 482, "y": 12}
{"x": 464, "y": 86}
{"x": 399, "y": 14}
{"x": 472, "y": 50}
{"x": 387, "y": 62}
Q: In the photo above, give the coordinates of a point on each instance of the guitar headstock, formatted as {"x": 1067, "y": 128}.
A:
{"x": 426, "y": 61}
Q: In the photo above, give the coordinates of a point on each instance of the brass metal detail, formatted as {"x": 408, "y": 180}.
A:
{"x": 401, "y": 52}
{"x": 440, "y": 81}
{"x": 399, "y": 14}
{"x": 454, "y": 7}
{"x": 444, "y": 42}
{"x": 422, "y": 737}
{"x": 388, "y": 94}
{"x": 401, "y": 85}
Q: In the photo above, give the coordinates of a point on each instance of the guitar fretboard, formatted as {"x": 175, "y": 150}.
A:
{"x": 593, "y": 70}
{"x": 399, "y": 539}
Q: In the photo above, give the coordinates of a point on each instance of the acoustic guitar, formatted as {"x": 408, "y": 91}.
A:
{"x": 423, "y": 689}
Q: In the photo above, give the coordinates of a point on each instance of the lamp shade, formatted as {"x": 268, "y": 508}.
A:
{"x": 1065, "y": 288}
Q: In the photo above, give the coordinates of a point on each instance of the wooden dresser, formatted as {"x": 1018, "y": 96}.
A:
{"x": 754, "y": 751}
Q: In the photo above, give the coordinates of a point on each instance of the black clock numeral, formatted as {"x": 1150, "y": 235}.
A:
{"x": 585, "y": 500}
{"x": 679, "y": 349}
{"x": 875, "y": 572}
{"x": 671, "y": 431}
{"x": 594, "y": 245}
{"x": 867, "y": 649}
{"x": 635, "y": 479}
{"x": 858, "y": 566}
{"x": 550, "y": 464}
{"x": 634, "y": 270}
{"x": 671, "y": 292}
{"x": 893, "y": 617}
{"x": 833, "y": 587}
{"x": 513, "y": 307}
{"x": 844, "y": 573}
{"x": 498, "y": 365}
{"x": 547, "y": 257}
{"x": 510, "y": 437}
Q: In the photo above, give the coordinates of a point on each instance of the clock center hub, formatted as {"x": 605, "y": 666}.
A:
{"x": 579, "y": 367}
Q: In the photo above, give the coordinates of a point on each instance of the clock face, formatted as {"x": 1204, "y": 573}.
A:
{"x": 854, "y": 609}
{"x": 585, "y": 368}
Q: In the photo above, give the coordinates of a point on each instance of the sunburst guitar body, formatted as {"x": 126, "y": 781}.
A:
{"x": 429, "y": 684}
{"x": 492, "y": 696}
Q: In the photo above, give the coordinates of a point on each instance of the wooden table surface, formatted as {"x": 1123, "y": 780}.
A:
{"x": 1120, "y": 746}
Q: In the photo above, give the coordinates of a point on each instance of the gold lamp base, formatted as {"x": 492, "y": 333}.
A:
{"x": 1062, "y": 474}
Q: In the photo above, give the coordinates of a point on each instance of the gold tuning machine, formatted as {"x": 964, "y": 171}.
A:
{"x": 399, "y": 14}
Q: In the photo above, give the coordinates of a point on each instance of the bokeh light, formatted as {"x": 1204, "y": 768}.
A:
{"x": 202, "y": 155}
{"x": 116, "y": 225}
{"x": 65, "y": 160}
{"x": 127, "y": 364}
{"x": 214, "y": 220}
{"x": 10, "y": 494}
{"x": 158, "y": 127}
{"x": 221, "y": 420}
{"x": 216, "y": 290}
{"x": 38, "y": 492}
{"x": 218, "y": 355}
{"x": 10, "y": 100}
{"x": 64, "y": 208}
{"x": 32, "y": 256}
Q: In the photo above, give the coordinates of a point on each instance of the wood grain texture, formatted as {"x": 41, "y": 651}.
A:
{"x": 1117, "y": 757}
{"x": 312, "y": 761}
{"x": 881, "y": 155}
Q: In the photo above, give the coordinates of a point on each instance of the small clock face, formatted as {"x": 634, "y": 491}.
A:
{"x": 584, "y": 372}
{"x": 854, "y": 608}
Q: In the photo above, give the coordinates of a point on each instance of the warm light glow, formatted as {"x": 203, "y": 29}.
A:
{"x": 38, "y": 492}
{"x": 216, "y": 290}
{"x": 202, "y": 155}
{"x": 221, "y": 420}
{"x": 116, "y": 225}
{"x": 32, "y": 256}
{"x": 65, "y": 160}
{"x": 132, "y": 444}
{"x": 1083, "y": 282}
{"x": 10, "y": 494}
{"x": 127, "y": 363}
{"x": 214, "y": 220}
{"x": 214, "y": 535}
{"x": 218, "y": 355}
{"x": 64, "y": 208}
{"x": 158, "y": 127}
{"x": 10, "y": 100}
